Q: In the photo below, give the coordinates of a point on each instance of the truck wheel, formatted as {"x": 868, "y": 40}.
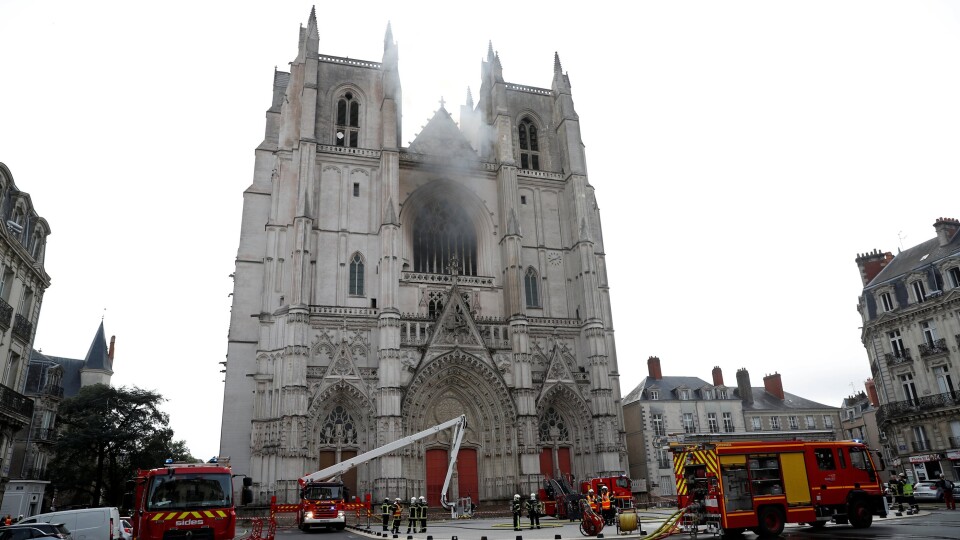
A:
{"x": 859, "y": 513}
{"x": 341, "y": 526}
{"x": 771, "y": 522}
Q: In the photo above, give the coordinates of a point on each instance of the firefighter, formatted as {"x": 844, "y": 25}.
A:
{"x": 517, "y": 509}
{"x": 413, "y": 516}
{"x": 397, "y": 510}
{"x": 385, "y": 511}
{"x": 423, "y": 513}
{"x": 908, "y": 495}
{"x": 592, "y": 499}
{"x": 606, "y": 508}
{"x": 534, "y": 508}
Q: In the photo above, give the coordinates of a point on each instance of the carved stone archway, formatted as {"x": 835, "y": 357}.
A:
{"x": 461, "y": 383}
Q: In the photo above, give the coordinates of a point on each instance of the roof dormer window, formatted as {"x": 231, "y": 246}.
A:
{"x": 919, "y": 291}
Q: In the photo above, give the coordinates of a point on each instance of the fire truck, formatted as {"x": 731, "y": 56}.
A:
{"x": 730, "y": 487}
{"x": 560, "y": 499}
{"x": 618, "y": 486}
{"x": 188, "y": 500}
{"x": 324, "y": 498}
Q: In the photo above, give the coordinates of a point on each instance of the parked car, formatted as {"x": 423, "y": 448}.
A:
{"x": 35, "y": 530}
{"x": 126, "y": 528}
{"x": 926, "y": 491}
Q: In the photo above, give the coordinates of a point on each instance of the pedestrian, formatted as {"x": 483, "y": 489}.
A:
{"x": 397, "y": 510}
{"x": 385, "y": 511}
{"x": 946, "y": 487}
{"x": 534, "y": 508}
{"x": 8, "y": 520}
{"x": 423, "y": 513}
{"x": 517, "y": 510}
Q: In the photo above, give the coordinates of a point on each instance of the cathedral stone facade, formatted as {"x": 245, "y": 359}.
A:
{"x": 380, "y": 290}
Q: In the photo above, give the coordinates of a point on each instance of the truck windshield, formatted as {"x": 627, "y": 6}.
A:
{"x": 316, "y": 492}
{"x": 193, "y": 490}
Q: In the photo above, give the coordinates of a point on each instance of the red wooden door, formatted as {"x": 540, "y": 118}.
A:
{"x": 349, "y": 478}
{"x": 546, "y": 462}
{"x": 436, "y": 471}
{"x": 563, "y": 456}
{"x": 469, "y": 480}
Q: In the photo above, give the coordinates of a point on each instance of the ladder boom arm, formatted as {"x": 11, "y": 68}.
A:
{"x": 459, "y": 424}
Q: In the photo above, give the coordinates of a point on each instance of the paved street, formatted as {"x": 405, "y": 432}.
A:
{"x": 931, "y": 523}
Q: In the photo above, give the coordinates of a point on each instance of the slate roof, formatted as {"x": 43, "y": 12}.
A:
{"x": 666, "y": 385}
{"x": 762, "y": 401}
{"x": 97, "y": 357}
{"x": 37, "y": 373}
{"x": 441, "y": 136}
{"x": 913, "y": 258}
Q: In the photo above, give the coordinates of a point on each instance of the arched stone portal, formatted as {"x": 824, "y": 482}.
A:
{"x": 455, "y": 383}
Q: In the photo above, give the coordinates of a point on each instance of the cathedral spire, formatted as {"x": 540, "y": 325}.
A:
{"x": 388, "y": 37}
{"x": 556, "y": 62}
{"x": 490, "y": 51}
{"x": 469, "y": 98}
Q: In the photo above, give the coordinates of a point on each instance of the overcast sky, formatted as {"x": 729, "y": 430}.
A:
{"x": 743, "y": 153}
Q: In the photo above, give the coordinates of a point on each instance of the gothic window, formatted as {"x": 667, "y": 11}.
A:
{"x": 435, "y": 304}
{"x": 529, "y": 145}
{"x": 348, "y": 121}
{"x": 338, "y": 427}
{"x": 531, "y": 286}
{"x": 443, "y": 232}
{"x": 552, "y": 427}
{"x": 356, "y": 275}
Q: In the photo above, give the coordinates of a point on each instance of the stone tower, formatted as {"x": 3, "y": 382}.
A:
{"x": 381, "y": 289}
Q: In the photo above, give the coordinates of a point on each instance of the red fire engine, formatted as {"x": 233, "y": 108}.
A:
{"x": 323, "y": 498}
{"x": 560, "y": 499}
{"x": 730, "y": 487}
{"x": 183, "y": 500}
{"x": 618, "y": 486}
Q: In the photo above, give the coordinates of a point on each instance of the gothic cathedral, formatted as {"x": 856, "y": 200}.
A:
{"x": 380, "y": 290}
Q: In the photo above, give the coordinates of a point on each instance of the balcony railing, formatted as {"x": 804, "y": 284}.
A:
{"x": 896, "y": 409}
{"x": 6, "y": 313}
{"x": 22, "y": 327}
{"x": 931, "y": 349}
{"x": 15, "y": 403}
{"x": 920, "y": 446}
{"x": 43, "y": 435}
{"x": 954, "y": 442}
{"x": 53, "y": 390}
{"x": 899, "y": 357}
{"x": 34, "y": 474}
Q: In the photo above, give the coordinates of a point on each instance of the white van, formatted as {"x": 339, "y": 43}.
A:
{"x": 85, "y": 524}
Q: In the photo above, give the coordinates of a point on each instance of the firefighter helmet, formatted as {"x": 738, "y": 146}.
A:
{"x": 423, "y": 499}
{"x": 533, "y": 496}
{"x": 413, "y": 500}
{"x": 603, "y": 488}
{"x": 516, "y": 497}
{"x": 386, "y": 499}
{"x": 590, "y": 490}
{"x": 397, "y": 499}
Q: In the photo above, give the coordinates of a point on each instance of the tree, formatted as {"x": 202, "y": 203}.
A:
{"x": 105, "y": 434}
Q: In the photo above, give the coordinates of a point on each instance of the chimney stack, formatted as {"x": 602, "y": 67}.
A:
{"x": 653, "y": 367}
{"x": 717, "y": 376}
{"x": 872, "y": 392}
{"x": 743, "y": 385}
{"x": 110, "y": 351}
{"x": 773, "y": 385}
{"x": 871, "y": 264}
{"x": 946, "y": 229}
